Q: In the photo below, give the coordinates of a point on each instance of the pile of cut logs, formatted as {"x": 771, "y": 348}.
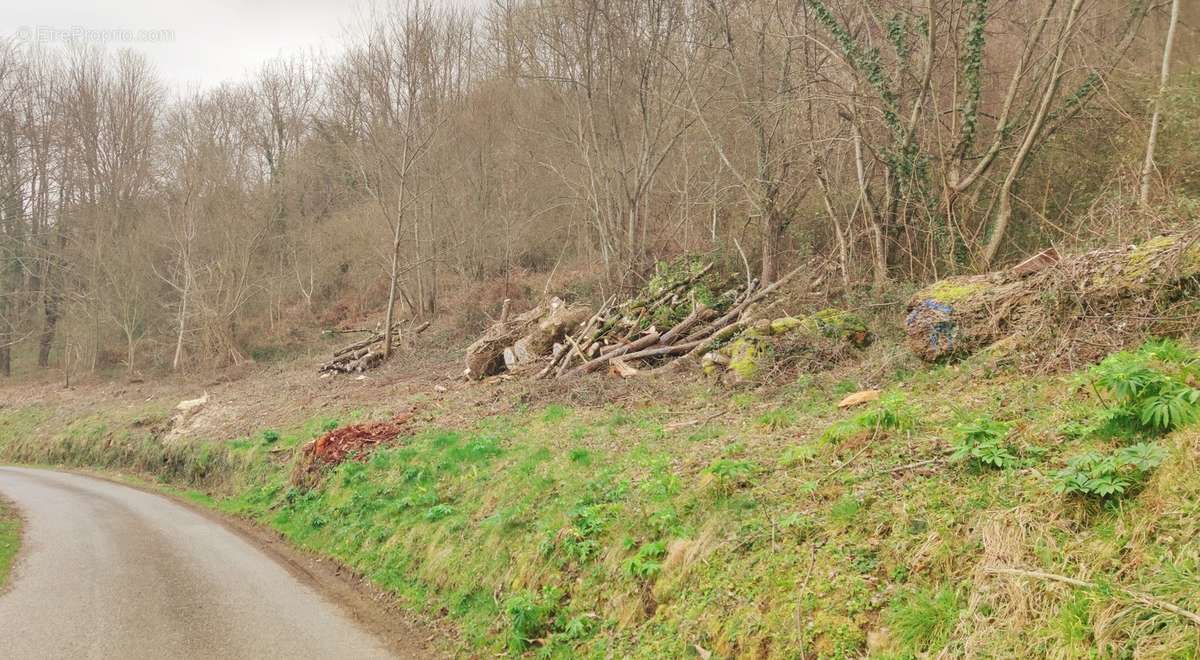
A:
{"x": 619, "y": 336}
{"x": 679, "y": 314}
{"x": 367, "y": 353}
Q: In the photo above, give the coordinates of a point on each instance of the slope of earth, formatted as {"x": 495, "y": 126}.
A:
{"x": 666, "y": 516}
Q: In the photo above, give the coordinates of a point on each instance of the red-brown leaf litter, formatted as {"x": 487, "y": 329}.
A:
{"x": 355, "y": 441}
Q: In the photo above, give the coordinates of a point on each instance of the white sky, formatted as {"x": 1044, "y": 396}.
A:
{"x": 213, "y": 40}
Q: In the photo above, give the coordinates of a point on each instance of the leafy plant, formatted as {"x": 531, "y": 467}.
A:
{"x": 982, "y": 443}
{"x": 270, "y": 437}
{"x": 1152, "y": 387}
{"x": 730, "y": 473}
{"x": 647, "y": 562}
{"x": 438, "y": 512}
{"x": 529, "y": 617}
{"x": 1109, "y": 475}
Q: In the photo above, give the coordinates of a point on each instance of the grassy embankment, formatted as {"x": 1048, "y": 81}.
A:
{"x": 10, "y": 541}
{"x": 741, "y": 524}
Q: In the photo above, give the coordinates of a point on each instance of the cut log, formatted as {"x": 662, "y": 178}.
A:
{"x": 522, "y": 339}
{"x": 621, "y": 368}
{"x": 1065, "y": 312}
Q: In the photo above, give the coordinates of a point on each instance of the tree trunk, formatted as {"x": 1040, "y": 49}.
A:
{"x": 183, "y": 309}
{"x": 878, "y": 242}
{"x": 1164, "y": 73}
{"x": 49, "y": 327}
{"x": 772, "y": 236}
{"x": 1004, "y": 214}
{"x": 391, "y": 301}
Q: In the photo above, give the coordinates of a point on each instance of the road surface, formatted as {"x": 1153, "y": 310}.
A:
{"x": 107, "y": 571}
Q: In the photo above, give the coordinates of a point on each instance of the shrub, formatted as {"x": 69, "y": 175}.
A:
{"x": 1103, "y": 475}
{"x": 982, "y": 443}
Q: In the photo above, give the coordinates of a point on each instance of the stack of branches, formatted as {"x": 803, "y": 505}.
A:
{"x": 367, "y": 353}
{"x": 674, "y": 317}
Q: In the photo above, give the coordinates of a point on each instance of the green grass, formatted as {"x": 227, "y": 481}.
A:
{"x": 10, "y": 541}
{"x": 568, "y": 531}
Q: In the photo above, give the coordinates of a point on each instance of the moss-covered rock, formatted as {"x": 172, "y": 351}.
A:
{"x": 750, "y": 355}
{"x": 954, "y": 289}
{"x": 746, "y": 356}
{"x": 840, "y": 325}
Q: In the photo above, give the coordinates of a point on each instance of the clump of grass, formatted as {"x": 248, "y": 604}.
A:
{"x": 554, "y": 413}
{"x": 923, "y": 619}
{"x": 891, "y": 412}
{"x": 779, "y": 418}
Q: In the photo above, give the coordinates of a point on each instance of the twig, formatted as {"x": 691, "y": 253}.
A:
{"x": 676, "y": 426}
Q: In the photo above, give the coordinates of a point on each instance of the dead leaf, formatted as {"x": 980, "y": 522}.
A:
{"x": 704, "y": 653}
{"x": 859, "y": 398}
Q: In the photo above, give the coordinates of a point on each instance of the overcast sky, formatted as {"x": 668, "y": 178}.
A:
{"x": 202, "y": 42}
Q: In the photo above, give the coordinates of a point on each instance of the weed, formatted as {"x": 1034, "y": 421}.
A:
{"x": 270, "y": 437}
{"x": 1109, "y": 475}
{"x": 647, "y": 562}
{"x": 1152, "y": 388}
{"x": 845, "y": 510}
{"x": 982, "y": 444}
{"x": 439, "y": 512}
{"x": 529, "y": 616}
{"x": 731, "y": 474}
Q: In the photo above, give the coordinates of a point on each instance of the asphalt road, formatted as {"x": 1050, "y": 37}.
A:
{"x": 107, "y": 571}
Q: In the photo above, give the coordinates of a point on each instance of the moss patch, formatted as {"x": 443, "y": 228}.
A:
{"x": 952, "y": 290}
{"x": 839, "y": 324}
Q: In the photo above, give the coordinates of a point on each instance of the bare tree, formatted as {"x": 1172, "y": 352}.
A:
{"x": 1155, "y": 117}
